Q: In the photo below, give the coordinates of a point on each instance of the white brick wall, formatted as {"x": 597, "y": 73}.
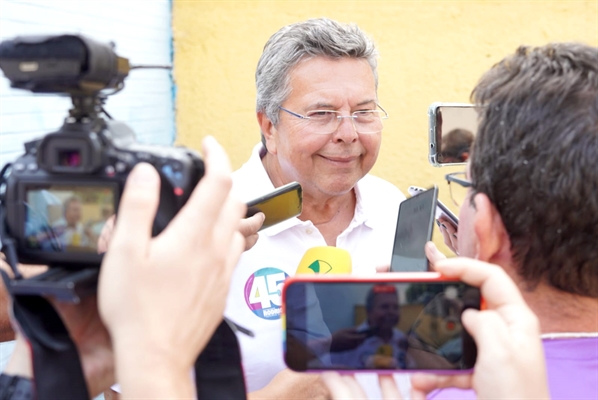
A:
{"x": 141, "y": 30}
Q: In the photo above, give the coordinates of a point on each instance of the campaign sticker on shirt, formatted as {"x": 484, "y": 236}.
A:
{"x": 263, "y": 292}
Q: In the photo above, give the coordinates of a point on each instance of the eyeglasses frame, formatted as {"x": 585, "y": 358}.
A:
{"x": 339, "y": 117}
{"x": 461, "y": 182}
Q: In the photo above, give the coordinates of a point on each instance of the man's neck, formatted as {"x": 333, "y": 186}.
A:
{"x": 331, "y": 214}
{"x": 559, "y": 311}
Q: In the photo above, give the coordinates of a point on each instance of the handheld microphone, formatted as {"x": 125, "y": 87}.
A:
{"x": 325, "y": 260}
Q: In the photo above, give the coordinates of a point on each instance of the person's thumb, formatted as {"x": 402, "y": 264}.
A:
{"x": 137, "y": 209}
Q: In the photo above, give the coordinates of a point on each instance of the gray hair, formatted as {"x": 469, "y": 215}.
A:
{"x": 297, "y": 42}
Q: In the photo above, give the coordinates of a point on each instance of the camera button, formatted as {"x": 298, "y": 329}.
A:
{"x": 19, "y": 167}
{"x": 177, "y": 166}
{"x": 109, "y": 170}
{"x": 121, "y": 167}
{"x": 32, "y": 167}
{"x": 167, "y": 170}
{"x": 127, "y": 158}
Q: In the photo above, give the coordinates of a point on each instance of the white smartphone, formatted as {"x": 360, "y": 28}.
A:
{"x": 441, "y": 209}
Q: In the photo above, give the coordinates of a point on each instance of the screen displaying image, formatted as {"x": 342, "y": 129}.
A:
{"x": 373, "y": 326}
{"x": 62, "y": 218}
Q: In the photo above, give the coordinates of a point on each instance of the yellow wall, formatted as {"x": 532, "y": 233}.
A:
{"x": 430, "y": 51}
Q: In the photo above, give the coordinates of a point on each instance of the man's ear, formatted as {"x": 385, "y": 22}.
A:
{"x": 269, "y": 132}
{"x": 493, "y": 243}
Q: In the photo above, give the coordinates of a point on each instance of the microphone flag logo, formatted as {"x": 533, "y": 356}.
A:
{"x": 324, "y": 260}
{"x": 320, "y": 267}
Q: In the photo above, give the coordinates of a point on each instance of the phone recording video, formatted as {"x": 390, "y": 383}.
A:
{"x": 283, "y": 203}
{"x": 391, "y": 323}
{"x": 414, "y": 228}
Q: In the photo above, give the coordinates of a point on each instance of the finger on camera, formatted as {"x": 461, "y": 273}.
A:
{"x": 137, "y": 209}
{"x": 206, "y": 201}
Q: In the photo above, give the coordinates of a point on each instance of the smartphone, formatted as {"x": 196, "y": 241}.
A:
{"x": 395, "y": 321}
{"x": 441, "y": 208}
{"x": 283, "y": 203}
{"x": 452, "y": 129}
{"x": 414, "y": 228}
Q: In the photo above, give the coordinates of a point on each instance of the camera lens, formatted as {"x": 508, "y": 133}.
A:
{"x": 69, "y": 158}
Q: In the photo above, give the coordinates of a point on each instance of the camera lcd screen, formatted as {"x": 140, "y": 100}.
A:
{"x": 378, "y": 326}
{"x": 60, "y": 218}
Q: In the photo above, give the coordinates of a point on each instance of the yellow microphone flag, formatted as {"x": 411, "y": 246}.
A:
{"x": 325, "y": 260}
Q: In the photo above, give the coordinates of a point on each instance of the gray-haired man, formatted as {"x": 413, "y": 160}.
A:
{"x": 321, "y": 125}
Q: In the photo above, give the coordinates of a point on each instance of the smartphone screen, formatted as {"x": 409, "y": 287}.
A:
{"x": 363, "y": 325}
{"x": 283, "y": 203}
{"x": 414, "y": 229}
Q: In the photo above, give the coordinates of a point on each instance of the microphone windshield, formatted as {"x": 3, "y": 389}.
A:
{"x": 325, "y": 260}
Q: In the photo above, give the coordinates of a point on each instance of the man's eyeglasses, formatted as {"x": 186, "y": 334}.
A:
{"x": 459, "y": 187}
{"x": 325, "y": 122}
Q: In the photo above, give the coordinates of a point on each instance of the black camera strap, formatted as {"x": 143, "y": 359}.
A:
{"x": 57, "y": 368}
{"x": 218, "y": 370}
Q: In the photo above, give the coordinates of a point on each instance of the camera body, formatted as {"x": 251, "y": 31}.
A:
{"x": 87, "y": 164}
{"x": 67, "y": 186}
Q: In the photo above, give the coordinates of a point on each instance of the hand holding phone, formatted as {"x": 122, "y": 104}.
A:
{"x": 407, "y": 321}
{"x": 448, "y": 222}
{"x": 283, "y": 203}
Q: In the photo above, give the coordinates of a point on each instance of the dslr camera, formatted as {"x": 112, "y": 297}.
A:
{"x": 56, "y": 198}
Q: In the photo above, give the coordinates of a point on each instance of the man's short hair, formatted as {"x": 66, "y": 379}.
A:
{"x": 536, "y": 157}
{"x": 296, "y": 42}
{"x": 69, "y": 200}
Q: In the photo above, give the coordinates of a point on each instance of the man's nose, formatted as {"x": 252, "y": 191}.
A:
{"x": 346, "y": 130}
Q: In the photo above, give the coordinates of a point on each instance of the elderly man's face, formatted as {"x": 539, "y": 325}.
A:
{"x": 385, "y": 311}
{"x": 72, "y": 214}
{"x": 326, "y": 164}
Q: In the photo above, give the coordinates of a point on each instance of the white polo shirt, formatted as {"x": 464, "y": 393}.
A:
{"x": 254, "y": 299}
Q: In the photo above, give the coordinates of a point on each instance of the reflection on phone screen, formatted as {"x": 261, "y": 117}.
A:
{"x": 373, "y": 326}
